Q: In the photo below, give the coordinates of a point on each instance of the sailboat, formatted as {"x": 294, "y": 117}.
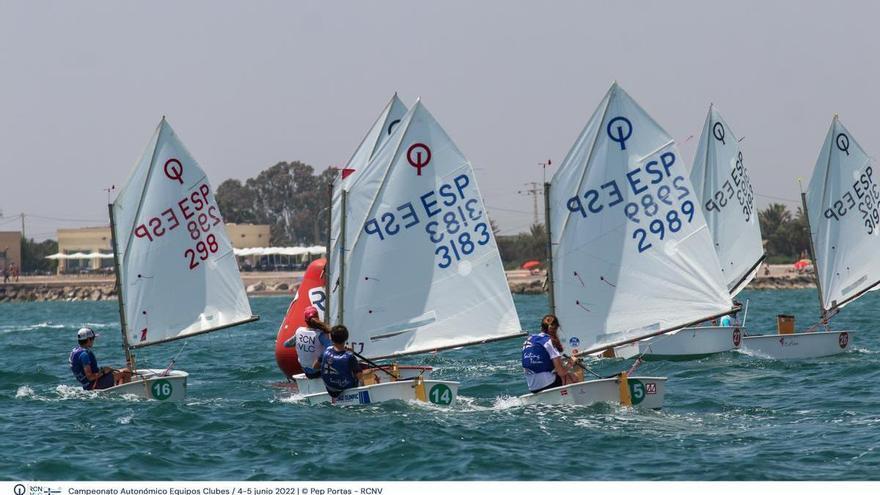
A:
{"x": 721, "y": 182}
{"x": 418, "y": 268}
{"x": 176, "y": 274}
{"x": 631, "y": 256}
{"x": 379, "y": 132}
{"x": 842, "y": 212}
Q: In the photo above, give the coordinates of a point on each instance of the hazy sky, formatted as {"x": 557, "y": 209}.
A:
{"x": 247, "y": 84}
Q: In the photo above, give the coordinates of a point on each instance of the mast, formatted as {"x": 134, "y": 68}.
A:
{"x": 327, "y": 252}
{"x": 552, "y": 297}
{"x": 822, "y": 311}
{"x": 129, "y": 359}
{"x": 341, "y": 312}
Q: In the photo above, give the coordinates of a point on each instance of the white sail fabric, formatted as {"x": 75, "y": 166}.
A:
{"x": 378, "y": 134}
{"x": 843, "y": 203}
{"x": 632, "y": 256}
{"x": 422, "y": 270}
{"x": 178, "y": 273}
{"x": 721, "y": 181}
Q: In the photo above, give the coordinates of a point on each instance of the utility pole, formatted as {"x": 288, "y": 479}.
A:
{"x": 534, "y": 190}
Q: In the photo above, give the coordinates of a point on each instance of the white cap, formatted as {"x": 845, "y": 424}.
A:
{"x": 85, "y": 333}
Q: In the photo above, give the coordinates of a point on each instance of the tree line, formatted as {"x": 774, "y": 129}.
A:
{"x": 786, "y": 238}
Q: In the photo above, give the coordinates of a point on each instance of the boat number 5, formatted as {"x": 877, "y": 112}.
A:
{"x": 636, "y": 391}
{"x": 161, "y": 389}
{"x": 440, "y": 394}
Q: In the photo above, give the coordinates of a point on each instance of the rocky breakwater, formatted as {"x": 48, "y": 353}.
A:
{"x": 526, "y": 282}
{"x": 40, "y": 293}
{"x": 270, "y": 288}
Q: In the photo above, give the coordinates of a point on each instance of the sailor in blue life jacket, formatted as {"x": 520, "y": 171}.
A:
{"x": 310, "y": 342}
{"x": 340, "y": 369}
{"x": 84, "y": 365}
{"x": 542, "y": 358}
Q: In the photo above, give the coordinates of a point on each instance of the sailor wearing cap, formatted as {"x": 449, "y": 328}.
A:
{"x": 84, "y": 365}
{"x": 310, "y": 342}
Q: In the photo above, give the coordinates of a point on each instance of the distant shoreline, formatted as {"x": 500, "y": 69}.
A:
{"x": 101, "y": 287}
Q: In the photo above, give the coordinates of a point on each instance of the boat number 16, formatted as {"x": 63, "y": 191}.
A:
{"x": 161, "y": 389}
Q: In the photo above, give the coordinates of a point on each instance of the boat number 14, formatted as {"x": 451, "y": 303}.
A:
{"x": 440, "y": 394}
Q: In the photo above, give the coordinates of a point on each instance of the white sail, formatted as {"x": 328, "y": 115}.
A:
{"x": 178, "y": 274}
{"x": 721, "y": 181}
{"x": 632, "y": 256}
{"x": 843, "y": 203}
{"x": 422, "y": 270}
{"x": 378, "y": 134}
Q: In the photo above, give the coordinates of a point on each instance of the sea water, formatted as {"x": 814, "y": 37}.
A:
{"x": 726, "y": 417}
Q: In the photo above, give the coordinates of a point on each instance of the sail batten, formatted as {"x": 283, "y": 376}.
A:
{"x": 633, "y": 256}
{"x": 843, "y": 206}
{"x": 721, "y": 181}
{"x": 422, "y": 269}
{"x": 177, "y": 272}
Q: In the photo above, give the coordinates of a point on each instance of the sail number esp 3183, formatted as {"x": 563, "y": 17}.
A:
{"x": 451, "y": 217}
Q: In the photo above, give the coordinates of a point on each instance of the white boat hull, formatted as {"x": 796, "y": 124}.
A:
{"x": 308, "y": 386}
{"x": 797, "y": 345}
{"x": 154, "y": 385}
{"x": 646, "y": 392}
{"x": 438, "y": 392}
{"x": 693, "y": 342}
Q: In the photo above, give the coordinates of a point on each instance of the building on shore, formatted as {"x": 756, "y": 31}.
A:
{"x": 248, "y": 235}
{"x": 84, "y": 240}
{"x": 10, "y": 249}
{"x": 90, "y": 240}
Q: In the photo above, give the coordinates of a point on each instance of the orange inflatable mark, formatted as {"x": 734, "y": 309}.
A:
{"x": 310, "y": 293}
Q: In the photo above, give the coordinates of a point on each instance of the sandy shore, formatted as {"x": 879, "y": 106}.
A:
{"x": 100, "y": 287}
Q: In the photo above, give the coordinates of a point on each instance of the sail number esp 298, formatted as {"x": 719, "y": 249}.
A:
{"x": 198, "y": 213}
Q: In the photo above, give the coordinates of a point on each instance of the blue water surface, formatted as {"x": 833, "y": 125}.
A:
{"x": 727, "y": 417}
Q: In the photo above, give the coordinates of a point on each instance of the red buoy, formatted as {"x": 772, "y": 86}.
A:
{"x": 310, "y": 293}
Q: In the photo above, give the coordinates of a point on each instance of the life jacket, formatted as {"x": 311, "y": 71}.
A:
{"x": 310, "y": 344}
{"x": 535, "y": 357}
{"x": 337, "y": 371}
{"x": 77, "y": 368}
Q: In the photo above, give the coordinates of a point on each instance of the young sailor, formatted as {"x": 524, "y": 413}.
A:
{"x": 542, "y": 358}
{"x": 84, "y": 365}
{"x": 340, "y": 369}
{"x": 310, "y": 342}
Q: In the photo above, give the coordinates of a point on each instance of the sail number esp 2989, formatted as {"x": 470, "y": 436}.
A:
{"x": 658, "y": 200}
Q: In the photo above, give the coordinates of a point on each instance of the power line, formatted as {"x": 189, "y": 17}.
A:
{"x": 535, "y": 189}
{"x": 778, "y": 198}
{"x": 505, "y": 209}
{"x": 57, "y": 219}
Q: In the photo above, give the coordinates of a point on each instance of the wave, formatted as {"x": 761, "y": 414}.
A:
{"x": 5, "y": 329}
